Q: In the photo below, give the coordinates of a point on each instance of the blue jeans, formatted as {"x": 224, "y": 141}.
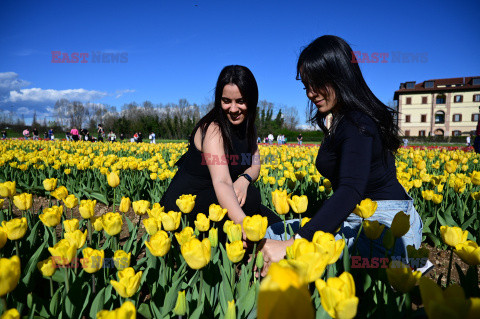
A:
{"x": 386, "y": 210}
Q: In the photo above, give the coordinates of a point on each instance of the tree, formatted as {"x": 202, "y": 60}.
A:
{"x": 34, "y": 120}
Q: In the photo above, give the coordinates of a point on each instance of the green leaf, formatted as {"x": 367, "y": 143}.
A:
{"x": 99, "y": 197}
{"x": 98, "y": 303}
{"x": 55, "y": 302}
{"x": 31, "y": 266}
{"x": 143, "y": 310}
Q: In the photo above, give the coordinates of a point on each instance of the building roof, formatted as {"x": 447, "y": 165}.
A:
{"x": 439, "y": 85}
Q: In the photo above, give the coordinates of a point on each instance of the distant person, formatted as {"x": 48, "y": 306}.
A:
{"x": 68, "y": 136}
{"x": 135, "y": 137}
{"x": 259, "y": 139}
{"x": 469, "y": 141}
{"x": 140, "y": 137}
{"x": 45, "y": 135}
{"x": 35, "y": 134}
{"x": 101, "y": 133}
{"x": 74, "y": 134}
{"x": 300, "y": 139}
{"x": 279, "y": 139}
{"x": 50, "y": 134}
{"x": 405, "y": 142}
{"x": 122, "y": 136}
{"x": 4, "y": 134}
{"x": 26, "y": 133}
{"x": 476, "y": 143}
{"x": 112, "y": 137}
{"x": 151, "y": 137}
{"x": 270, "y": 138}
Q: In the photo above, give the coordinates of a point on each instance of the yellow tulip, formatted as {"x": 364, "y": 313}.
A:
{"x": 125, "y": 204}
{"x": 437, "y": 198}
{"x": 156, "y": 211}
{"x": 452, "y": 236}
{"x": 159, "y": 244}
{"x": 50, "y": 184}
{"x": 328, "y": 245}
{"x": 51, "y": 216}
{"x": 474, "y": 308}
{"x": 202, "y": 223}
{"x": 185, "y": 235}
{"x": 181, "y": 304}
{"x": 8, "y": 189}
{"x": 171, "y": 220}
{"x": 327, "y": 183}
{"x": 1, "y": 203}
{"x": 451, "y": 166}
{"x": 304, "y": 221}
{"x": 233, "y": 231}
{"x": 235, "y": 251}
{"x": 298, "y": 204}
{"x": 255, "y": 227}
{"x": 231, "y": 310}
{"x": 127, "y": 310}
{"x": 279, "y": 201}
{"x": 3, "y": 237}
{"x": 70, "y": 225}
{"x": 475, "y": 195}
{"x": 419, "y": 253}
{"x": 87, "y": 208}
{"x": 284, "y": 294}
{"x": 113, "y": 179}
{"x": 152, "y": 225}
{"x": 213, "y": 236}
{"x": 449, "y": 303}
{"x": 186, "y": 203}
{"x": 47, "y": 267}
{"x": 428, "y": 194}
{"x": 70, "y": 201}
{"x": 216, "y": 212}
{"x": 121, "y": 259}
{"x": 401, "y": 276}
{"x": 63, "y": 252}
{"x": 15, "y": 228}
{"x": 400, "y": 224}
{"x": 23, "y": 201}
{"x": 9, "y": 274}
{"x": 366, "y": 209}
{"x": 475, "y": 178}
{"x": 140, "y": 207}
{"x": 77, "y": 238}
{"x": 469, "y": 252}
{"x": 372, "y": 229}
{"x": 128, "y": 282}
{"x": 60, "y": 193}
{"x": 196, "y": 253}
{"x": 112, "y": 223}
{"x": 10, "y": 314}
{"x": 97, "y": 223}
{"x": 338, "y": 296}
{"x": 92, "y": 260}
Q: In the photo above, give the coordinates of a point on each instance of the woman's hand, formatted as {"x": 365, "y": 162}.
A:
{"x": 274, "y": 251}
{"x": 240, "y": 186}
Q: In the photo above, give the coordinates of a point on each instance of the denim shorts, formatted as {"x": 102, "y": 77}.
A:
{"x": 386, "y": 211}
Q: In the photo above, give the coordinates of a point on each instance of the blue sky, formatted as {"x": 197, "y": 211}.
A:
{"x": 176, "y": 49}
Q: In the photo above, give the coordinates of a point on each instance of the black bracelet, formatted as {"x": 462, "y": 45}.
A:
{"x": 248, "y": 177}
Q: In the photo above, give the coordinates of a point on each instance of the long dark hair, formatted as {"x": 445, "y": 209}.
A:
{"x": 329, "y": 61}
{"x": 242, "y": 77}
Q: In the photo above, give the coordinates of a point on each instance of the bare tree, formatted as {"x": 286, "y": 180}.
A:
{"x": 291, "y": 117}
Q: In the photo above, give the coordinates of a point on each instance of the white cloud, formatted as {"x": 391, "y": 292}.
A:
{"x": 119, "y": 93}
{"x": 9, "y": 81}
{"x": 50, "y": 95}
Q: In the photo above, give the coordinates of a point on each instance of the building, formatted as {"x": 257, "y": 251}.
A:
{"x": 445, "y": 107}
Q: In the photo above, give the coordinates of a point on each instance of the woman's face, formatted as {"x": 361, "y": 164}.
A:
{"x": 325, "y": 101}
{"x": 233, "y": 104}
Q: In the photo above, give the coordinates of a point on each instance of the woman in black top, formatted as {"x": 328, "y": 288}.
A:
{"x": 222, "y": 159}
{"x": 356, "y": 155}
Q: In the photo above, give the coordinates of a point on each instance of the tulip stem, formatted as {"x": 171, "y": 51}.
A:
{"x": 114, "y": 193}
{"x": 89, "y": 226}
{"x": 93, "y": 283}
{"x": 450, "y": 266}
{"x": 17, "y": 249}
{"x": 51, "y": 286}
{"x": 4, "y": 304}
{"x": 67, "y": 285}
{"x": 356, "y": 238}
{"x": 284, "y": 227}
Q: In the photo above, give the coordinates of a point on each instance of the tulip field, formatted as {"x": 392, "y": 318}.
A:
{"x": 83, "y": 235}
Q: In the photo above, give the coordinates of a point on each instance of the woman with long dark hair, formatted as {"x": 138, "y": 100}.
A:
{"x": 222, "y": 160}
{"x": 356, "y": 155}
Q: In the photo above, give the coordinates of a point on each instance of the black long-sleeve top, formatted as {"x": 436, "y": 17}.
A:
{"x": 353, "y": 159}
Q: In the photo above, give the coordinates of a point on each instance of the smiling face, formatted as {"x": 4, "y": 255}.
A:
{"x": 233, "y": 104}
{"x": 325, "y": 101}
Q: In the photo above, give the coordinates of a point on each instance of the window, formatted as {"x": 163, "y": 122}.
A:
{"x": 407, "y": 119}
{"x": 424, "y": 100}
{"x": 410, "y": 85}
{"x": 421, "y": 133}
{"x": 457, "y": 117}
{"x": 475, "y": 117}
{"x": 441, "y": 99}
{"x": 407, "y": 133}
{"x": 424, "y": 118}
{"x": 409, "y": 100}
{"x": 429, "y": 84}
{"x": 458, "y": 98}
{"x": 438, "y": 132}
{"x": 476, "y": 81}
{"x": 476, "y": 98}
{"x": 456, "y": 133}
{"x": 440, "y": 117}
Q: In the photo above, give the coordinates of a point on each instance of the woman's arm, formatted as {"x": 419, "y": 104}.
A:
{"x": 241, "y": 183}
{"x": 222, "y": 182}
